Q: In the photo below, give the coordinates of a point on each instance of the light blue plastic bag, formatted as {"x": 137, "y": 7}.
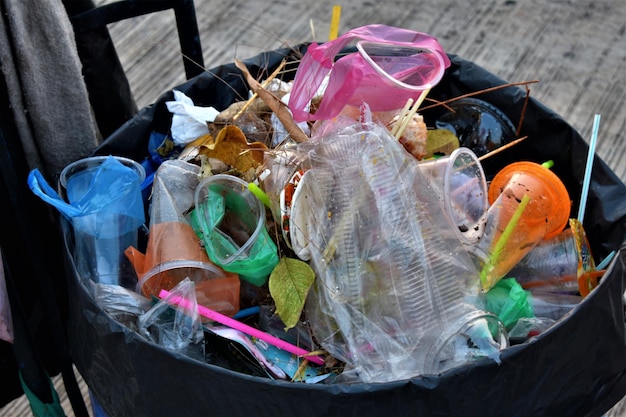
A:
{"x": 104, "y": 206}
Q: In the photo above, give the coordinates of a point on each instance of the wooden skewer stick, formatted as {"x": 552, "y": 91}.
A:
{"x": 404, "y": 121}
{"x": 501, "y": 148}
{"x": 476, "y": 93}
{"x": 404, "y": 111}
{"x": 264, "y": 85}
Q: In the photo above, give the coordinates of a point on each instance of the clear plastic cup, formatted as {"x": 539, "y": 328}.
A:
{"x": 563, "y": 263}
{"x": 108, "y": 192}
{"x": 231, "y": 222}
{"x": 77, "y": 177}
{"x": 459, "y": 182}
{"x": 529, "y": 203}
{"x": 474, "y": 334}
{"x": 553, "y": 305}
{"x": 281, "y": 171}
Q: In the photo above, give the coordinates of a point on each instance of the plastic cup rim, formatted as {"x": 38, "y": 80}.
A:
{"x": 260, "y": 224}
{"x": 70, "y": 168}
{"x": 175, "y": 264}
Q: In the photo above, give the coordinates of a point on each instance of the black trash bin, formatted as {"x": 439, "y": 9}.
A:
{"x": 576, "y": 368}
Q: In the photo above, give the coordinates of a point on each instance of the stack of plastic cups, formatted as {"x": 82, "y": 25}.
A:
{"x": 174, "y": 250}
{"x": 529, "y": 203}
{"x": 459, "y": 182}
{"x": 389, "y": 297}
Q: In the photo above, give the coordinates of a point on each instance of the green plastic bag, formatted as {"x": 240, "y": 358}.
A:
{"x": 230, "y": 220}
{"x": 509, "y": 301}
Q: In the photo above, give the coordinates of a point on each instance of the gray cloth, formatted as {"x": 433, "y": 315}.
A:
{"x": 6, "y": 320}
{"x": 45, "y": 86}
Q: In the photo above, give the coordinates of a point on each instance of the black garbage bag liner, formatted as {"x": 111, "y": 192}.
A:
{"x": 576, "y": 368}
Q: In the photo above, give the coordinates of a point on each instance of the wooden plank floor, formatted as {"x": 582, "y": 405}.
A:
{"x": 575, "y": 49}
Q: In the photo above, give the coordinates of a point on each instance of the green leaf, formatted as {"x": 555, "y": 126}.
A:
{"x": 289, "y": 285}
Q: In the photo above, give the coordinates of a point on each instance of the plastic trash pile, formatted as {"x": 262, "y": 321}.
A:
{"x": 323, "y": 231}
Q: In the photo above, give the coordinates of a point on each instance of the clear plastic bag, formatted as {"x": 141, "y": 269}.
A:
{"x": 175, "y": 328}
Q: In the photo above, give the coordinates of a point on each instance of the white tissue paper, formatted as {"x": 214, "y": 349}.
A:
{"x": 188, "y": 121}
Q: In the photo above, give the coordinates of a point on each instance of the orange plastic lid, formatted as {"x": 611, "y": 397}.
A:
{"x": 548, "y": 194}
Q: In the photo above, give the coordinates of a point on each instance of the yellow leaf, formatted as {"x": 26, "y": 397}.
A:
{"x": 232, "y": 147}
{"x": 289, "y": 285}
{"x": 440, "y": 141}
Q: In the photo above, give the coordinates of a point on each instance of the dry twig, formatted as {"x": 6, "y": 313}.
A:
{"x": 275, "y": 104}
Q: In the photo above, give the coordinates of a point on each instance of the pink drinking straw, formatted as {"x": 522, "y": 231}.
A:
{"x": 237, "y": 325}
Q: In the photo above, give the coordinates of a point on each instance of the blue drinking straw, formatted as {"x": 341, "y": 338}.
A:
{"x": 587, "y": 179}
{"x": 605, "y": 262}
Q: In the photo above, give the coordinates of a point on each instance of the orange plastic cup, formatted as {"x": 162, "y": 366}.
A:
{"x": 550, "y": 202}
{"x": 529, "y": 203}
{"x": 173, "y": 254}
